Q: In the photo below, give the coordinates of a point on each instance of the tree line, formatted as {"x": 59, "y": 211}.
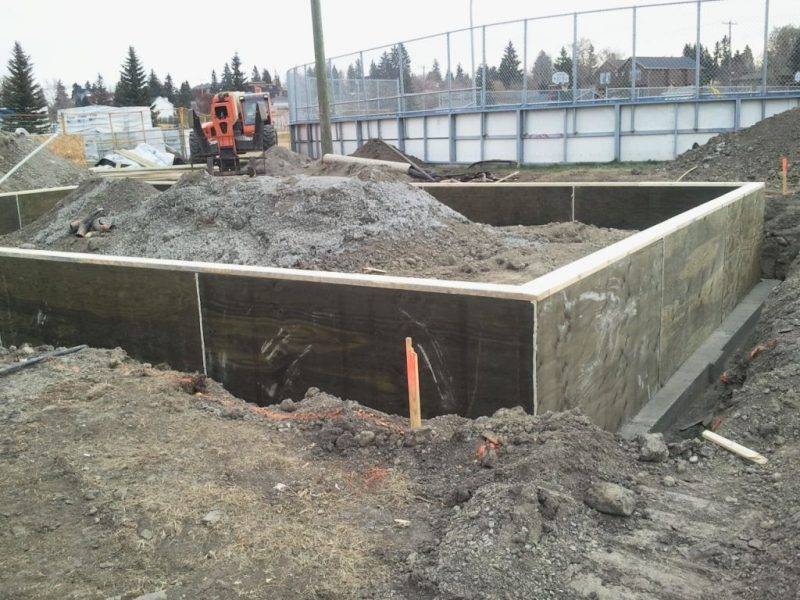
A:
{"x": 24, "y": 104}
{"x": 719, "y": 65}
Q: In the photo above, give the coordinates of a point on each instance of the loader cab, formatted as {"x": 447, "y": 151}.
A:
{"x": 249, "y": 104}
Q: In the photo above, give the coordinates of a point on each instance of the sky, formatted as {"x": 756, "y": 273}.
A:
{"x": 74, "y": 41}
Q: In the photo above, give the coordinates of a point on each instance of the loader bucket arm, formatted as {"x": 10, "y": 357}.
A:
{"x": 197, "y": 127}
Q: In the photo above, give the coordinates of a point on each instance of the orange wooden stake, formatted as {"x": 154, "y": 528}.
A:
{"x": 412, "y": 370}
{"x": 784, "y": 175}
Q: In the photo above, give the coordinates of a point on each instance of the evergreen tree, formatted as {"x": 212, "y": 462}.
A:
{"x": 374, "y": 72}
{"x": 461, "y": 78}
{"x": 132, "y": 87}
{"x": 400, "y": 60}
{"x": 255, "y": 77}
{"x": 542, "y": 71}
{"x": 185, "y": 95}
{"x": 351, "y": 72}
{"x": 266, "y": 77}
{"x": 707, "y": 63}
{"x": 100, "y": 94}
{"x": 227, "y": 78}
{"x": 168, "y": 89}
{"x": 563, "y": 63}
{"x": 238, "y": 79}
{"x": 76, "y": 91}
{"x": 154, "y": 88}
{"x": 22, "y": 95}
{"x": 60, "y": 100}
{"x": 509, "y": 73}
{"x": 435, "y": 76}
{"x": 214, "y": 82}
{"x": 277, "y": 82}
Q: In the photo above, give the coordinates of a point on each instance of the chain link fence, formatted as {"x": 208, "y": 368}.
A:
{"x": 682, "y": 49}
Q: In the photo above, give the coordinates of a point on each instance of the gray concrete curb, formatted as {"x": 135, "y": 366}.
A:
{"x": 702, "y": 368}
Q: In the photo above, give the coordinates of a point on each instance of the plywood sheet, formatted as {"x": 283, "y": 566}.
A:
{"x": 639, "y": 207}
{"x": 693, "y": 288}
{"x": 267, "y": 340}
{"x": 507, "y": 205}
{"x": 150, "y": 313}
{"x": 597, "y": 340}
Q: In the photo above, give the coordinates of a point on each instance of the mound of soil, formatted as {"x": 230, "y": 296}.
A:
{"x": 45, "y": 169}
{"x": 751, "y": 154}
{"x": 328, "y": 223}
{"x": 279, "y": 161}
{"x": 380, "y": 150}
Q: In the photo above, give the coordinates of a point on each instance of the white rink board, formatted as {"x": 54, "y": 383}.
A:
{"x": 657, "y": 131}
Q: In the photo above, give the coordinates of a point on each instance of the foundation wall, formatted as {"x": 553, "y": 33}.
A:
{"x": 602, "y": 333}
{"x": 607, "y": 340}
{"x": 267, "y": 338}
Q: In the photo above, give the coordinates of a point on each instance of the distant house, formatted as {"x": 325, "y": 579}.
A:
{"x": 651, "y": 71}
{"x": 609, "y": 73}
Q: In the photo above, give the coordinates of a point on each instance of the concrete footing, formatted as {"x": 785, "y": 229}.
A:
{"x": 667, "y": 408}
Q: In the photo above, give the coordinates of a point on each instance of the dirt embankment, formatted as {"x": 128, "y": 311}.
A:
{"x": 119, "y": 479}
{"x": 45, "y": 169}
{"x": 328, "y": 223}
{"x": 751, "y": 154}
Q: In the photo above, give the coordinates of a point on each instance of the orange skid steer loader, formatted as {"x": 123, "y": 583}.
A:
{"x": 240, "y": 122}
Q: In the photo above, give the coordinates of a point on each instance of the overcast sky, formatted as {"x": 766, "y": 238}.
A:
{"x": 74, "y": 41}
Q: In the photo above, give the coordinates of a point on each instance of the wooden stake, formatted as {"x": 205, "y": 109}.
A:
{"x": 412, "y": 369}
{"x": 735, "y": 448}
{"x": 784, "y": 175}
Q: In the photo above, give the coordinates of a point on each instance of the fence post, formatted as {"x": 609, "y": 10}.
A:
{"x": 633, "y": 58}
{"x": 401, "y": 77}
{"x": 483, "y": 66}
{"x": 766, "y": 48}
{"x": 363, "y": 83}
{"x": 574, "y": 57}
{"x": 449, "y": 76}
{"x": 697, "y": 53}
{"x": 525, "y": 61}
{"x": 308, "y": 93}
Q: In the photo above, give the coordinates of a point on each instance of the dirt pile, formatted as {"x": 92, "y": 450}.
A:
{"x": 118, "y": 197}
{"x": 279, "y": 161}
{"x": 752, "y": 154}
{"x": 142, "y": 468}
{"x": 329, "y": 223}
{"x": 45, "y": 169}
{"x": 380, "y": 150}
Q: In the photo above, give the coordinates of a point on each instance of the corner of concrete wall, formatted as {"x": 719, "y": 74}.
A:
{"x": 597, "y": 340}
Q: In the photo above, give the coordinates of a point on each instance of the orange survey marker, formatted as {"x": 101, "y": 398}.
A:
{"x": 412, "y": 369}
{"x": 784, "y": 175}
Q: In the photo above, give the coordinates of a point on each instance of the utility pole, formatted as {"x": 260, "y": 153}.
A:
{"x": 730, "y": 25}
{"x": 322, "y": 80}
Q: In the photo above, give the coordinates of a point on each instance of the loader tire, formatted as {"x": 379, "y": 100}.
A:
{"x": 270, "y": 137}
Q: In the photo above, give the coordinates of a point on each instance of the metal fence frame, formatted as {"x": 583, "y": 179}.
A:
{"x": 479, "y": 98}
